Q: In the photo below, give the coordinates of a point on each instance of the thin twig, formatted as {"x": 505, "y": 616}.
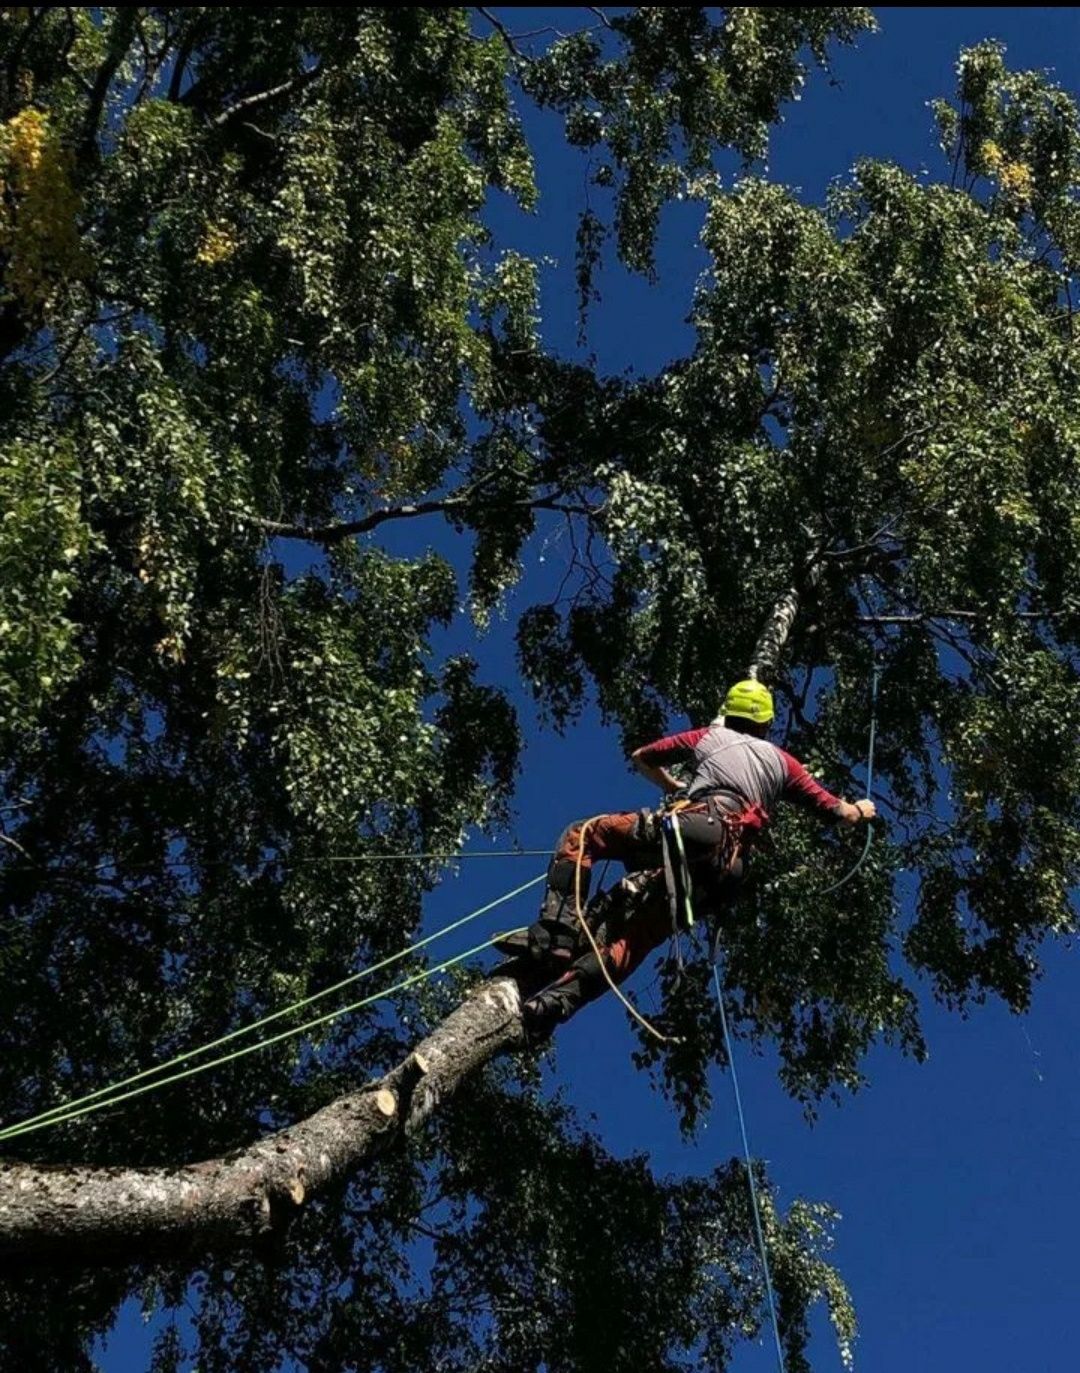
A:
{"x": 872, "y": 544}
{"x": 147, "y": 57}
{"x": 80, "y": 333}
{"x": 13, "y": 843}
{"x": 247, "y": 124}
{"x": 504, "y": 33}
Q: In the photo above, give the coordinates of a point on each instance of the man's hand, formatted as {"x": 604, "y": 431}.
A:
{"x": 851, "y": 814}
{"x": 658, "y": 776}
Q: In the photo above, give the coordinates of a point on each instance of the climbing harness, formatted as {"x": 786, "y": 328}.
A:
{"x": 759, "y": 1232}
{"x": 869, "y": 787}
{"x": 733, "y": 830}
{"x": 113, "y": 1094}
{"x": 669, "y": 831}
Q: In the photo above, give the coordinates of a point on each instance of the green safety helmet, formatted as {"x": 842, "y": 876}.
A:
{"x": 749, "y": 700}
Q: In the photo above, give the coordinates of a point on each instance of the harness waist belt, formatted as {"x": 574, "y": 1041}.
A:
{"x": 725, "y": 800}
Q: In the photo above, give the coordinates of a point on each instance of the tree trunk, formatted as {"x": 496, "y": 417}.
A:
{"x": 774, "y": 633}
{"x": 127, "y": 1214}
{"x": 773, "y": 637}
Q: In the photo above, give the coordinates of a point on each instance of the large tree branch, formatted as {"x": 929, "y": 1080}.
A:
{"x": 128, "y": 1214}
{"x": 253, "y": 102}
{"x": 504, "y": 33}
{"x": 180, "y": 61}
{"x": 334, "y": 533}
{"x": 120, "y": 37}
{"x": 919, "y": 617}
{"x": 774, "y": 634}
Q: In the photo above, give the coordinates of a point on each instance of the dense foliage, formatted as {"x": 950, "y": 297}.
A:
{"x": 251, "y": 317}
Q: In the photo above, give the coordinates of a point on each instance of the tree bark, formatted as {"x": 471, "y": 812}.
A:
{"x": 774, "y": 634}
{"x": 128, "y": 1214}
{"x": 773, "y": 637}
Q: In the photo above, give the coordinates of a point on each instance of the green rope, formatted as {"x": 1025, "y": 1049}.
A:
{"x": 29, "y": 1127}
{"x": 411, "y": 857}
{"x": 71, "y": 1110}
{"x": 284, "y": 864}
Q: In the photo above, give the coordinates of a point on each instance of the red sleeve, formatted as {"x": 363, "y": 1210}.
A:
{"x": 801, "y": 788}
{"x": 672, "y": 749}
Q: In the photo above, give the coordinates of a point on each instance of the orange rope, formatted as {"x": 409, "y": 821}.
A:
{"x": 645, "y": 1024}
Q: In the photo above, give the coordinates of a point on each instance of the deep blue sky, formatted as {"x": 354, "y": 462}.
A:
{"x": 956, "y": 1179}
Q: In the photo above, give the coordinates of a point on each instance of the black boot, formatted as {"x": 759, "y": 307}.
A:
{"x": 540, "y": 1015}
{"x": 556, "y": 1004}
{"x": 604, "y": 915}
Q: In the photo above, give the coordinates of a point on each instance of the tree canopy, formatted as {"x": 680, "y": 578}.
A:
{"x": 252, "y": 315}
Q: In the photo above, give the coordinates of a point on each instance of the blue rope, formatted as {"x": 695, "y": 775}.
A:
{"x": 758, "y": 1231}
{"x": 869, "y": 786}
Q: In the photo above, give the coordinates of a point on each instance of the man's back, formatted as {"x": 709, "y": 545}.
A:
{"x": 724, "y": 760}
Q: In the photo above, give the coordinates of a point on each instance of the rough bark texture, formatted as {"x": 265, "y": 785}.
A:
{"x": 774, "y": 636}
{"x": 774, "y": 633}
{"x": 131, "y": 1213}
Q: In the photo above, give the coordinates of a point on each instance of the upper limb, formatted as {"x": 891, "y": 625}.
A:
{"x": 659, "y": 776}
{"x": 851, "y": 812}
{"x": 674, "y": 748}
{"x": 801, "y": 788}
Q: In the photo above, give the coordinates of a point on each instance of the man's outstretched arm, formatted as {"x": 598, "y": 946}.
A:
{"x": 801, "y": 788}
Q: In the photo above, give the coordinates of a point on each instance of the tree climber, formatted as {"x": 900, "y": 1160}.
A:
{"x": 736, "y": 777}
